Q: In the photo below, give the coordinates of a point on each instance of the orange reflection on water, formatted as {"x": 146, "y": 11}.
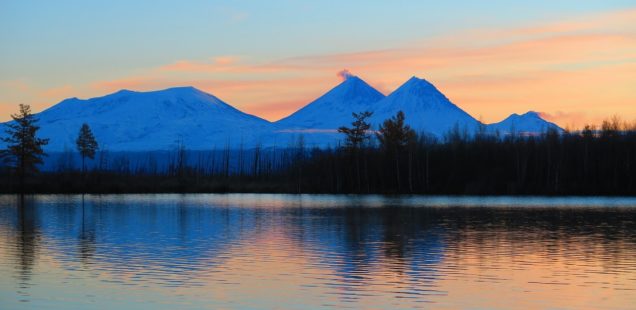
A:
{"x": 289, "y": 251}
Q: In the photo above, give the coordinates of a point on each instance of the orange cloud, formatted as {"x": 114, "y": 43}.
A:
{"x": 271, "y": 99}
{"x": 567, "y": 118}
{"x": 225, "y": 64}
{"x": 226, "y": 60}
{"x": 615, "y": 19}
{"x": 20, "y": 91}
{"x": 57, "y": 93}
{"x": 276, "y": 109}
{"x": 20, "y": 85}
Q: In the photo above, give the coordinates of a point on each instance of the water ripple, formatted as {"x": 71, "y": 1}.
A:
{"x": 303, "y": 251}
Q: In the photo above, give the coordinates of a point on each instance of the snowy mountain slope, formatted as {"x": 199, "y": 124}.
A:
{"x": 161, "y": 120}
{"x": 528, "y": 123}
{"x": 319, "y": 121}
{"x": 334, "y": 108}
{"x": 156, "y": 120}
{"x": 426, "y": 109}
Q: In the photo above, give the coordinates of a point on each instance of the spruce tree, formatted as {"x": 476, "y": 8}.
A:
{"x": 86, "y": 144}
{"x": 394, "y": 135}
{"x": 23, "y": 146}
{"x": 357, "y": 134}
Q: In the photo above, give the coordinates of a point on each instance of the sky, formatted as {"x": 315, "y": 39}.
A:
{"x": 572, "y": 61}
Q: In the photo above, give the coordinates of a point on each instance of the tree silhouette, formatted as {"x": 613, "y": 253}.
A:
{"x": 394, "y": 135}
{"x": 24, "y": 146}
{"x": 356, "y": 136}
{"x": 86, "y": 144}
{"x": 358, "y": 133}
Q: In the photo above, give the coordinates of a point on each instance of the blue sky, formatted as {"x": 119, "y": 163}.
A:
{"x": 72, "y": 45}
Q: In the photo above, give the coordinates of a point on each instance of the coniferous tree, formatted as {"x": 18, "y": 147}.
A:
{"x": 23, "y": 146}
{"x": 356, "y": 136}
{"x": 358, "y": 133}
{"x": 86, "y": 144}
{"x": 394, "y": 135}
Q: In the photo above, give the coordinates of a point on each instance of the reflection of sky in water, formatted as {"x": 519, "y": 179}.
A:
{"x": 254, "y": 251}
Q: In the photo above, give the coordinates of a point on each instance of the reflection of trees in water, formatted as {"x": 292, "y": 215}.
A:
{"x": 86, "y": 247}
{"x": 369, "y": 249}
{"x": 412, "y": 237}
{"x": 182, "y": 217}
{"x": 179, "y": 235}
{"x": 355, "y": 239}
{"x": 87, "y": 242}
{"x": 571, "y": 233}
{"x": 27, "y": 240}
{"x": 546, "y": 223}
{"x": 405, "y": 237}
{"x": 357, "y": 236}
{"x": 129, "y": 236}
{"x": 399, "y": 227}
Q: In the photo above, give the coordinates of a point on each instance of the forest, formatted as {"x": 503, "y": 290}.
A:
{"x": 392, "y": 160}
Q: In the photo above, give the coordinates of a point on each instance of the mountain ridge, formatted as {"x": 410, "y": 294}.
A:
{"x": 352, "y": 95}
{"x": 426, "y": 108}
{"x": 530, "y": 122}
{"x": 164, "y": 119}
{"x": 155, "y": 120}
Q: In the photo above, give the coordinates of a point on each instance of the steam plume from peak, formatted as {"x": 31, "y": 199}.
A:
{"x": 345, "y": 74}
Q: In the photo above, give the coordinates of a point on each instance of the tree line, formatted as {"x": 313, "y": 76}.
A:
{"x": 391, "y": 160}
{"x": 594, "y": 161}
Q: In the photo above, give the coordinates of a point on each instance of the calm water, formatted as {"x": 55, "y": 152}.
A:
{"x": 288, "y": 251}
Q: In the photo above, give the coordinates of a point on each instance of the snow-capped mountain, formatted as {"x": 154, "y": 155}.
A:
{"x": 164, "y": 119}
{"x": 426, "y": 109}
{"x": 156, "y": 120}
{"x": 318, "y": 121}
{"x": 528, "y": 123}
{"x": 334, "y": 108}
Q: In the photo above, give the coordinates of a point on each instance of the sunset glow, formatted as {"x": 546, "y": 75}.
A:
{"x": 572, "y": 66}
{"x": 287, "y": 154}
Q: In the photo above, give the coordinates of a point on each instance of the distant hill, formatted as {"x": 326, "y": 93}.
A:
{"x": 527, "y": 123}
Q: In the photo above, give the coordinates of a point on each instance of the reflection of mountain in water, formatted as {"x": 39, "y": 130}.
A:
{"x": 173, "y": 235}
{"x": 169, "y": 238}
{"x": 361, "y": 237}
{"x": 175, "y": 240}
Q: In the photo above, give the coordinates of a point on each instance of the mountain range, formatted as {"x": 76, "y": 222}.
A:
{"x": 164, "y": 119}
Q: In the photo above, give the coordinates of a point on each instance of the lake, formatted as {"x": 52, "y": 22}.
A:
{"x": 253, "y": 251}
